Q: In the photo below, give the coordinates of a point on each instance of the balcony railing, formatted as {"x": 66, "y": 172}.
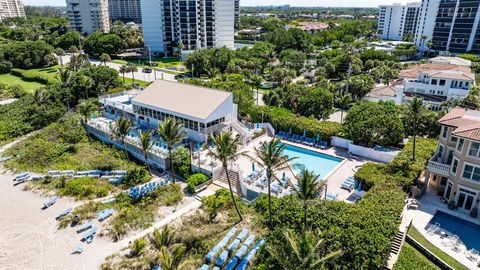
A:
{"x": 438, "y": 167}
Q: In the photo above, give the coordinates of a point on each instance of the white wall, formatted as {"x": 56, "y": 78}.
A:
{"x": 369, "y": 153}
{"x": 224, "y": 23}
{"x": 426, "y": 22}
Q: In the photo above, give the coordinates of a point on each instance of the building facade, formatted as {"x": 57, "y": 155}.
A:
{"x": 398, "y": 22}
{"x": 125, "y": 10}
{"x": 454, "y": 170}
{"x": 194, "y": 24}
{"x": 450, "y": 26}
{"x": 11, "y": 8}
{"x": 88, "y": 16}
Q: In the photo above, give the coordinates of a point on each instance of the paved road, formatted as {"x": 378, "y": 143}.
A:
{"x": 139, "y": 75}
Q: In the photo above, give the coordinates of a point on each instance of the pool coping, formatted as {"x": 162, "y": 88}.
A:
{"x": 309, "y": 148}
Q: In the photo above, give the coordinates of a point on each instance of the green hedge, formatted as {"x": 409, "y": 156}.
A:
{"x": 283, "y": 119}
{"x": 402, "y": 170}
{"x": 410, "y": 258}
{"x": 195, "y": 180}
{"x": 33, "y": 76}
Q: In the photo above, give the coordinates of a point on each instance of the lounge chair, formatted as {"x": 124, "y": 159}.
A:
{"x": 472, "y": 254}
{"x": 259, "y": 244}
{"x": 84, "y": 227}
{"x": 63, "y": 213}
{"x": 89, "y": 233}
{"x": 211, "y": 254}
{"x": 36, "y": 177}
{"x": 450, "y": 241}
{"x": 50, "y": 201}
{"x": 348, "y": 184}
{"x": 104, "y": 214}
{"x": 331, "y": 197}
{"x": 249, "y": 240}
{"x": 433, "y": 228}
{"x": 78, "y": 250}
{"x": 233, "y": 245}
{"x": 222, "y": 258}
{"x": 109, "y": 200}
{"x": 115, "y": 180}
{"x": 204, "y": 267}
{"x": 242, "y": 265}
{"x": 54, "y": 173}
{"x": 242, "y": 234}
{"x": 21, "y": 176}
{"x": 241, "y": 252}
{"x": 458, "y": 246}
{"x": 67, "y": 173}
{"x": 231, "y": 264}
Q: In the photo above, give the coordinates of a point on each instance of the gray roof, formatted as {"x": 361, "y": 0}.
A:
{"x": 186, "y": 99}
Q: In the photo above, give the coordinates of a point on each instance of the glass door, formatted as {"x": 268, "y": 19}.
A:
{"x": 469, "y": 202}
{"x": 466, "y": 199}
{"x": 461, "y": 199}
{"x": 448, "y": 191}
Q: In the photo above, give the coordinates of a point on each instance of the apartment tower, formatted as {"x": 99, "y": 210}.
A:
{"x": 195, "y": 24}
{"x": 125, "y": 10}
{"x": 88, "y": 16}
{"x": 450, "y": 25}
{"x": 398, "y": 22}
{"x": 11, "y": 8}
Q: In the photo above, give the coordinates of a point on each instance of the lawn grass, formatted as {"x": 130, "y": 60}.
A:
{"x": 415, "y": 234}
{"x": 10, "y": 79}
{"x": 130, "y": 81}
{"x": 50, "y": 72}
{"x": 412, "y": 259}
{"x": 162, "y": 62}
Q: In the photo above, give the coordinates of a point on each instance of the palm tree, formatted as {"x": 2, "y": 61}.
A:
{"x": 146, "y": 143}
{"x": 104, "y": 58}
{"x": 309, "y": 186}
{"x": 226, "y": 151}
{"x": 343, "y": 103}
{"x": 64, "y": 78}
{"x": 301, "y": 251}
{"x": 124, "y": 69}
{"x": 257, "y": 82}
{"x": 415, "y": 110}
{"x": 423, "y": 38}
{"x": 86, "y": 109}
{"x": 162, "y": 238}
{"x": 171, "y": 132}
{"x": 60, "y": 53}
{"x": 121, "y": 129}
{"x": 132, "y": 68}
{"x": 170, "y": 258}
{"x": 137, "y": 247}
{"x": 270, "y": 157}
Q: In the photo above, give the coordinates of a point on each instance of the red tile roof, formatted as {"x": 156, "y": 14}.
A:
{"x": 465, "y": 123}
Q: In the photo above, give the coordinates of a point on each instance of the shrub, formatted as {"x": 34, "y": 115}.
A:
{"x": 33, "y": 76}
{"x": 195, "y": 180}
{"x": 283, "y": 119}
{"x": 181, "y": 159}
{"x": 5, "y": 66}
{"x": 402, "y": 170}
{"x": 410, "y": 258}
{"x": 85, "y": 187}
{"x": 135, "y": 177}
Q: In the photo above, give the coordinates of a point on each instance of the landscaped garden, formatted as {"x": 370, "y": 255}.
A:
{"x": 11, "y": 80}
{"x": 412, "y": 259}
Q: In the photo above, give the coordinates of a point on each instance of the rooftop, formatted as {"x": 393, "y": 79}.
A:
{"x": 451, "y": 61}
{"x": 383, "y": 91}
{"x": 466, "y": 123}
{"x": 414, "y": 71}
{"x": 186, "y": 99}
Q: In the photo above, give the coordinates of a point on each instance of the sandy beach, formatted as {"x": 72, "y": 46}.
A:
{"x": 29, "y": 238}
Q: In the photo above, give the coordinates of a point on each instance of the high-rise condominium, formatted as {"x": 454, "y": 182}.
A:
{"x": 88, "y": 16}
{"x": 126, "y": 10}
{"x": 450, "y": 25}
{"x": 11, "y": 8}
{"x": 398, "y": 22}
{"x": 194, "y": 23}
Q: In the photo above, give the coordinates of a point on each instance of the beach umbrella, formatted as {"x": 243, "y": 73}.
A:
{"x": 258, "y": 125}
{"x": 253, "y": 166}
{"x": 318, "y": 137}
{"x": 304, "y": 133}
{"x": 290, "y": 130}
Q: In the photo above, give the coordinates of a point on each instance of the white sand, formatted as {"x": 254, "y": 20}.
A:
{"x": 29, "y": 238}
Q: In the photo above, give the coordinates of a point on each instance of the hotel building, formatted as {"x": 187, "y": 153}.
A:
{"x": 396, "y": 22}
{"x": 11, "y": 8}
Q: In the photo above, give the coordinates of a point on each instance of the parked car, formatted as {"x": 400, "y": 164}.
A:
{"x": 147, "y": 70}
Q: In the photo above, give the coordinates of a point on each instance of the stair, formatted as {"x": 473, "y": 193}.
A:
{"x": 222, "y": 178}
{"x": 397, "y": 243}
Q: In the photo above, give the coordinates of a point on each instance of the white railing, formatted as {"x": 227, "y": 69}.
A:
{"x": 438, "y": 167}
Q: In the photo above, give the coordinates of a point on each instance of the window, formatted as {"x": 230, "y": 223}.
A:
{"x": 453, "y": 139}
{"x": 442, "y": 83}
{"x": 471, "y": 173}
{"x": 434, "y": 81}
{"x": 454, "y": 166}
{"x": 460, "y": 144}
{"x": 445, "y": 131}
{"x": 474, "y": 149}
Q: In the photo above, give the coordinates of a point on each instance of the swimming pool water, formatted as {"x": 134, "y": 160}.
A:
{"x": 467, "y": 231}
{"x": 313, "y": 161}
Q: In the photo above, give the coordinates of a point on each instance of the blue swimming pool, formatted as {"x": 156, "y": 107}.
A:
{"x": 467, "y": 231}
{"x": 319, "y": 163}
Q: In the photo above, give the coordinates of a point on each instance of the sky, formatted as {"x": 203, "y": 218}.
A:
{"x": 309, "y": 3}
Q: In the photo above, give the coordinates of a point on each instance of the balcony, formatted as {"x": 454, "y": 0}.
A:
{"x": 437, "y": 166}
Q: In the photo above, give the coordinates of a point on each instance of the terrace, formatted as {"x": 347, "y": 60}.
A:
{"x": 424, "y": 218}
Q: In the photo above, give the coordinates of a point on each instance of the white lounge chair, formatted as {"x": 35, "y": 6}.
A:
{"x": 472, "y": 254}
{"x": 450, "y": 241}
{"x": 433, "y": 228}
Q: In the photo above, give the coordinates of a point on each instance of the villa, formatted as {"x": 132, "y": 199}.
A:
{"x": 455, "y": 169}
{"x": 434, "y": 82}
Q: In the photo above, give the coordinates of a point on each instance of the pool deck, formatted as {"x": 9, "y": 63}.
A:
{"x": 429, "y": 204}
{"x": 334, "y": 179}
